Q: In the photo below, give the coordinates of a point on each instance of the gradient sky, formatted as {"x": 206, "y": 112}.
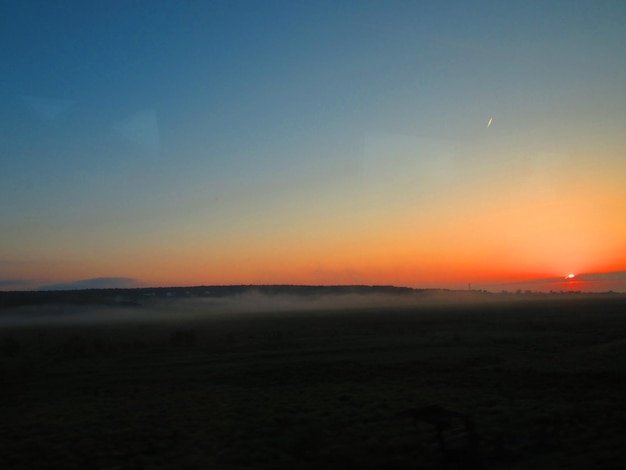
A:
{"x": 187, "y": 143}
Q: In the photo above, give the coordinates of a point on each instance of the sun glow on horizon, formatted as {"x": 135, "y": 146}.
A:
{"x": 380, "y": 169}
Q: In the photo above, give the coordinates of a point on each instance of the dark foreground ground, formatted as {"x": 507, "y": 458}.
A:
{"x": 543, "y": 381}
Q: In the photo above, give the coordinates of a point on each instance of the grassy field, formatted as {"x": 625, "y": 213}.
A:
{"x": 543, "y": 381}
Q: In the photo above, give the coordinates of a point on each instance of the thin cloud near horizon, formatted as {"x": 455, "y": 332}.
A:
{"x": 602, "y": 281}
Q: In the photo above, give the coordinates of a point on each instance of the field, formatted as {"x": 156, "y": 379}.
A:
{"x": 543, "y": 381}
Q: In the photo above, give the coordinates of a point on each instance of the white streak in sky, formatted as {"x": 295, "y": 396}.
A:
{"x": 489, "y": 123}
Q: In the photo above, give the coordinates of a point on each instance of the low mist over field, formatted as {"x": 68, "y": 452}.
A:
{"x": 197, "y": 303}
{"x": 150, "y": 305}
{"x": 288, "y": 377}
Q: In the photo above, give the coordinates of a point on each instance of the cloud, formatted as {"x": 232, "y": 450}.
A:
{"x": 613, "y": 276}
{"x": 610, "y": 276}
{"x": 142, "y": 129}
{"x": 586, "y": 282}
{"x": 408, "y": 162}
{"x": 47, "y": 109}
{"x": 12, "y": 282}
{"x": 95, "y": 283}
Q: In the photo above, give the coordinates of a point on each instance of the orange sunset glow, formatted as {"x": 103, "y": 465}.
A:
{"x": 376, "y": 152}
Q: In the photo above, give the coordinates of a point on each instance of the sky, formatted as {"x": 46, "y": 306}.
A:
{"x": 413, "y": 143}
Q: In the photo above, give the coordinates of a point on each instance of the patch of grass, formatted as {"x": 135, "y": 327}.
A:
{"x": 306, "y": 390}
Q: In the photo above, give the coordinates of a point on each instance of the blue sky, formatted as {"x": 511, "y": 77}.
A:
{"x": 224, "y": 134}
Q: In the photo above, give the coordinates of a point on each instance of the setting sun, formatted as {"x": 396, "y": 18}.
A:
{"x": 355, "y": 156}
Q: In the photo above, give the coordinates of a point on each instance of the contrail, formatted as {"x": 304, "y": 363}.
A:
{"x": 490, "y": 121}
